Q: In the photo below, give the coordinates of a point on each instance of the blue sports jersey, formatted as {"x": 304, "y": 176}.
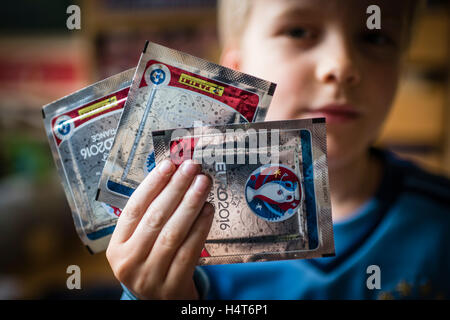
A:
{"x": 399, "y": 237}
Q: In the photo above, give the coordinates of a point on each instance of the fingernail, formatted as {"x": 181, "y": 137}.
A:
{"x": 201, "y": 183}
{"x": 166, "y": 167}
{"x": 189, "y": 168}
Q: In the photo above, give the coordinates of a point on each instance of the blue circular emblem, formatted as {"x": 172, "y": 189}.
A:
{"x": 157, "y": 76}
{"x": 273, "y": 192}
{"x": 63, "y": 127}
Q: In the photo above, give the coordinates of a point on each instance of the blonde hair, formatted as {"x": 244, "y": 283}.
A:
{"x": 232, "y": 16}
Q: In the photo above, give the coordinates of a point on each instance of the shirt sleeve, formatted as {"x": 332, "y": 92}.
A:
{"x": 126, "y": 294}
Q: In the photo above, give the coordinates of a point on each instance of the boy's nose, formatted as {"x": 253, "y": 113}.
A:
{"x": 337, "y": 66}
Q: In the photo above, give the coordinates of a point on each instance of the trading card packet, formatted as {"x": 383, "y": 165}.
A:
{"x": 270, "y": 187}
{"x": 81, "y": 128}
{"x": 172, "y": 89}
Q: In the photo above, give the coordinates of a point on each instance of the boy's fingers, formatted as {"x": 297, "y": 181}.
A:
{"x": 184, "y": 216}
{"x": 161, "y": 208}
{"x": 178, "y": 226}
{"x": 188, "y": 254}
{"x": 141, "y": 198}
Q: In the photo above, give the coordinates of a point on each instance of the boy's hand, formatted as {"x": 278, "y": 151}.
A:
{"x": 161, "y": 232}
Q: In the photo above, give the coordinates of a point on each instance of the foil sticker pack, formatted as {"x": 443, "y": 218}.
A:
{"x": 81, "y": 129}
{"x": 172, "y": 89}
{"x": 270, "y": 187}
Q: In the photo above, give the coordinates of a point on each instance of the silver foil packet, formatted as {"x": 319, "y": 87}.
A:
{"x": 270, "y": 187}
{"x": 81, "y": 128}
{"x": 172, "y": 89}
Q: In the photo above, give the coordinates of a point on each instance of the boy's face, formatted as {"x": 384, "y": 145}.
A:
{"x": 326, "y": 63}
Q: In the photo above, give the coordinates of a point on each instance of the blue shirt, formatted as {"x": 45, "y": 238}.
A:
{"x": 404, "y": 231}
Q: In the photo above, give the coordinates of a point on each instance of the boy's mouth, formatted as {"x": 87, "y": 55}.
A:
{"x": 334, "y": 113}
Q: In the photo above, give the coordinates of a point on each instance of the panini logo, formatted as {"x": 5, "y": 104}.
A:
{"x": 97, "y": 107}
{"x": 201, "y": 84}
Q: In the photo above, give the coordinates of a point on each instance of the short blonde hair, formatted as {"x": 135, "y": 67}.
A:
{"x": 232, "y": 16}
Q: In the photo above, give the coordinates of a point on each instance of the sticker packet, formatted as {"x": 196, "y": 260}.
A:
{"x": 81, "y": 129}
{"x": 270, "y": 187}
{"x": 172, "y": 89}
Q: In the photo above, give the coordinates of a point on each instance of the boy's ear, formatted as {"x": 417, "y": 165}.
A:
{"x": 231, "y": 57}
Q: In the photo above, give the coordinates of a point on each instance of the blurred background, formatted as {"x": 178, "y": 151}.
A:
{"x": 41, "y": 60}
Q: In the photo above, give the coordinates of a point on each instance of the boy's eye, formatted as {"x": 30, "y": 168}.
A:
{"x": 378, "y": 39}
{"x": 299, "y": 33}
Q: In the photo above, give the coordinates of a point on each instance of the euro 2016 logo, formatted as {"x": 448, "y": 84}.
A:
{"x": 273, "y": 192}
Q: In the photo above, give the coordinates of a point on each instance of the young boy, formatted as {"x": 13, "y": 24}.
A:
{"x": 390, "y": 218}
